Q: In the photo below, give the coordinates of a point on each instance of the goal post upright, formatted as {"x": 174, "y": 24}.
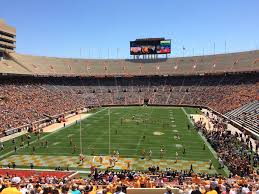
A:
{"x": 81, "y": 147}
{"x": 109, "y": 130}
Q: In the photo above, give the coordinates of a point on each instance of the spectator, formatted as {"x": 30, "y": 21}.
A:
{"x": 14, "y": 188}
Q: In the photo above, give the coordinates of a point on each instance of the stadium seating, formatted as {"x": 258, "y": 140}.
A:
{"x": 53, "y": 86}
{"x": 150, "y": 191}
{"x": 25, "y": 100}
{"x": 132, "y": 182}
{"x": 10, "y": 66}
{"x": 38, "y": 65}
{"x": 247, "y": 115}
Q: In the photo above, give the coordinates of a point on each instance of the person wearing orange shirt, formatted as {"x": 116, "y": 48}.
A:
{"x": 112, "y": 187}
{"x": 149, "y": 183}
{"x": 126, "y": 182}
{"x": 137, "y": 183}
{"x": 128, "y": 165}
{"x": 101, "y": 160}
{"x": 220, "y": 181}
{"x": 142, "y": 181}
{"x": 196, "y": 179}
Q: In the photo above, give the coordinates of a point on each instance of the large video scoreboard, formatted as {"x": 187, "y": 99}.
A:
{"x": 150, "y": 46}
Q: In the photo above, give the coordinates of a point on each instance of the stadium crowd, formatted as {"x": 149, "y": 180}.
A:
{"x": 107, "y": 182}
{"x": 24, "y": 104}
{"x": 234, "y": 150}
{"x": 26, "y": 100}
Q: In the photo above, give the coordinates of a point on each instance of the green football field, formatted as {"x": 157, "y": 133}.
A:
{"x": 129, "y": 130}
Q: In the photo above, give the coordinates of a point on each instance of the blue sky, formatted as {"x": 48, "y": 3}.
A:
{"x": 61, "y": 27}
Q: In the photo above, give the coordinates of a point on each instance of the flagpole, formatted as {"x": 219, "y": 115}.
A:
{"x": 214, "y": 47}
{"x": 225, "y": 46}
{"x": 109, "y": 130}
{"x": 81, "y": 148}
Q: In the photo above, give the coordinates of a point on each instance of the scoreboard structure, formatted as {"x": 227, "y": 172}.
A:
{"x": 150, "y": 48}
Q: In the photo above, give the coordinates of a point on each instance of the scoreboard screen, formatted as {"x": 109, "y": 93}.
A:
{"x": 149, "y": 46}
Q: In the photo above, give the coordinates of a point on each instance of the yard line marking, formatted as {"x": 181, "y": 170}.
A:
{"x": 138, "y": 144}
{"x": 56, "y": 143}
{"x": 100, "y": 137}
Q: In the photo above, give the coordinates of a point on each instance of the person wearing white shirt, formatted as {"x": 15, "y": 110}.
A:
{"x": 119, "y": 190}
{"x": 245, "y": 189}
{"x": 24, "y": 190}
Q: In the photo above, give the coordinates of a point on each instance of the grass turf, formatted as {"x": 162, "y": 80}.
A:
{"x": 128, "y": 125}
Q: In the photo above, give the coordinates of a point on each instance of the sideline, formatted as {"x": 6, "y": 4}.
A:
{"x": 225, "y": 169}
{"x": 49, "y": 134}
{"x": 55, "y": 126}
{"x": 9, "y": 137}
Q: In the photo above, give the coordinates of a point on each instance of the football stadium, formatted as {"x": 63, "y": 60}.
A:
{"x": 152, "y": 122}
